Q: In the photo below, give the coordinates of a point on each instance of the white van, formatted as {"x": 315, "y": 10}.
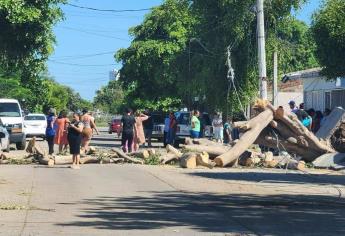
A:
{"x": 11, "y": 116}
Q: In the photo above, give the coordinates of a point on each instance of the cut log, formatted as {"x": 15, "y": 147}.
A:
{"x": 213, "y": 151}
{"x": 90, "y": 160}
{"x": 35, "y": 149}
{"x": 188, "y": 160}
{"x": 169, "y": 157}
{"x": 305, "y": 138}
{"x": 331, "y": 123}
{"x": 144, "y": 154}
{"x": 171, "y": 149}
{"x": 248, "y": 158}
{"x": 46, "y": 161}
{"x": 151, "y": 151}
{"x": 257, "y": 124}
{"x": 125, "y": 156}
{"x": 205, "y": 142}
{"x": 202, "y": 159}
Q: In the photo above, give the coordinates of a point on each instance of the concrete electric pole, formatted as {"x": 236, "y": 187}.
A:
{"x": 261, "y": 49}
{"x": 275, "y": 78}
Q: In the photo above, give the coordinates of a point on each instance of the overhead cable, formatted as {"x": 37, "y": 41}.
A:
{"x": 107, "y": 10}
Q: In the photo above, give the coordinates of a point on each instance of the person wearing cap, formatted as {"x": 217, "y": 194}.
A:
{"x": 293, "y": 106}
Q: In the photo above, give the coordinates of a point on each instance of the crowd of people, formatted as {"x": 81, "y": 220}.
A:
{"x": 74, "y": 133}
{"x": 309, "y": 118}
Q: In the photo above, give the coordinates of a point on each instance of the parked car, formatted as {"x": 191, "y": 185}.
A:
{"x": 35, "y": 125}
{"x": 12, "y": 119}
{"x": 184, "y": 125}
{"x": 158, "y": 126}
{"x": 4, "y": 139}
{"x": 115, "y": 126}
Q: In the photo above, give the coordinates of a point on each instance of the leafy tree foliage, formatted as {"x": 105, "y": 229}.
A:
{"x": 328, "y": 27}
{"x": 26, "y": 38}
{"x": 110, "y": 98}
{"x": 150, "y": 69}
{"x": 179, "y": 51}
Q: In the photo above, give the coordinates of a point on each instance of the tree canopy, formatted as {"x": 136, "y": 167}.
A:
{"x": 179, "y": 51}
{"x": 328, "y": 27}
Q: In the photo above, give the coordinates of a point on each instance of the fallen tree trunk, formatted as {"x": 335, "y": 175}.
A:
{"x": 256, "y": 125}
{"x": 46, "y": 161}
{"x": 144, "y": 154}
{"x": 123, "y": 155}
{"x": 188, "y": 160}
{"x": 202, "y": 159}
{"x": 169, "y": 157}
{"x": 35, "y": 149}
{"x": 171, "y": 149}
{"x": 213, "y": 151}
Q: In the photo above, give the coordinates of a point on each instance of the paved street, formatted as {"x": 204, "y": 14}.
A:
{"x": 151, "y": 200}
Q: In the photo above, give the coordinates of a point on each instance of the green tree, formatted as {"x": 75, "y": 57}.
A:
{"x": 328, "y": 27}
{"x": 149, "y": 72}
{"x": 179, "y": 51}
{"x": 27, "y": 38}
{"x": 110, "y": 98}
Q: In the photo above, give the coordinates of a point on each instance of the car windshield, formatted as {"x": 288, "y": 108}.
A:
{"x": 184, "y": 119}
{"x": 9, "y": 110}
{"x": 34, "y": 118}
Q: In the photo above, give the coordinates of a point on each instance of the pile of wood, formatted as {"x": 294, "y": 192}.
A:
{"x": 115, "y": 155}
{"x": 271, "y": 128}
{"x": 188, "y": 160}
{"x": 332, "y": 130}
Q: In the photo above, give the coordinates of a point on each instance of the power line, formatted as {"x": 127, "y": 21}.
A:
{"x": 74, "y": 64}
{"x": 107, "y": 10}
{"x": 84, "y": 55}
{"x": 91, "y": 33}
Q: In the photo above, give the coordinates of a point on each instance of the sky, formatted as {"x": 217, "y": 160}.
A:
{"x": 87, "y": 41}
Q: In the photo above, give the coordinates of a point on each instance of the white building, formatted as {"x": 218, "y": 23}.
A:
{"x": 319, "y": 92}
{"x": 114, "y": 75}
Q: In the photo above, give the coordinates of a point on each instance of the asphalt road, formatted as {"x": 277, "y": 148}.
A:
{"x": 105, "y": 140}
{"x": 166, "y": 200}
{"x": 146, "y": 200}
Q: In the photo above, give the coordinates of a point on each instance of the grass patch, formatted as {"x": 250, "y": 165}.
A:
{"x": 19, "y": 161}
{"x": 153, "y": 160}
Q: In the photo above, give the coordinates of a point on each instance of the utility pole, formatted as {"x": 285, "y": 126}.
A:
{"x": 275, "y": 78}
{"x": 261, "y": 49}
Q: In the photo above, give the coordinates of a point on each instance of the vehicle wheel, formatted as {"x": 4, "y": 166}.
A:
{"x": 21, "y": 145}
{"x": 109, "y": 132}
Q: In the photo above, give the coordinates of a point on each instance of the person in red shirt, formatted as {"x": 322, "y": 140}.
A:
{"x": 172, "y": 129}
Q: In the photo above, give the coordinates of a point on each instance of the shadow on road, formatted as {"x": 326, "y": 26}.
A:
{"x": 203, "y": 212}
{"x": 291, "y": 178}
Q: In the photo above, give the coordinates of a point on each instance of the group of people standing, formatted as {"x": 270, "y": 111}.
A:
{"x": 133, "y": 134}
{"x": 75, "y": 133}
{"x": 311, "y": 119}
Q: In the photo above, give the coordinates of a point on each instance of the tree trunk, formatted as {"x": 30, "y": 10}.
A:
{"x": 144, "y": 154}
{"x": 171, "y": 149}
{"x": 256, "y": 125}
{"x": 126, "y": 157}
{"x": 202, "y": 159}
{"x": 169, "y": 158}
{"x": 188, "y": 160}
{"x": 213, "y": 151}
